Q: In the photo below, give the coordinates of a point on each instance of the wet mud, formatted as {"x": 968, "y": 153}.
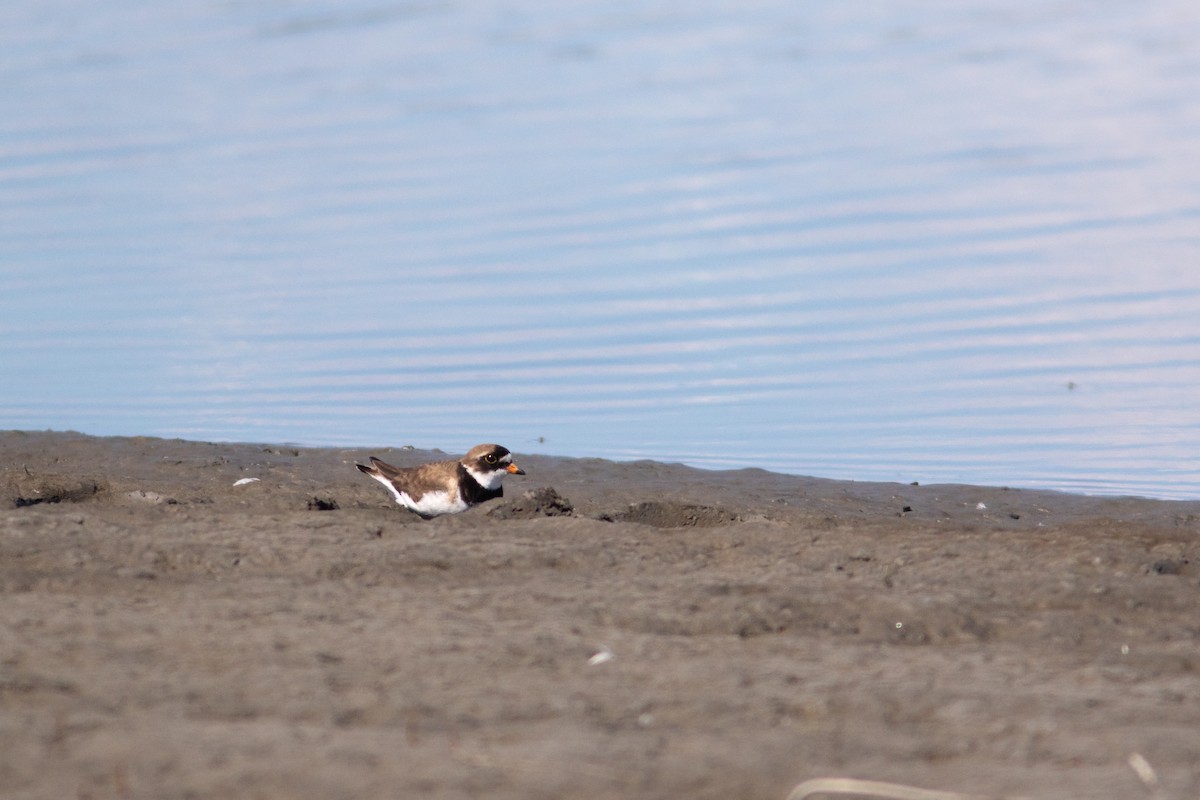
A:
{"x": 191, "y": 620}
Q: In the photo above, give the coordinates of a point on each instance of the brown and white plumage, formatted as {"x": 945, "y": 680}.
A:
{"x": 447, "y": 487}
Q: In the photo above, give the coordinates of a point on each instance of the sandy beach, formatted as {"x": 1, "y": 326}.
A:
{"x": 606, "y": 630}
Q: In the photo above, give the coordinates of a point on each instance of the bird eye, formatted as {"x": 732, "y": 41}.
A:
{"x": 490, "y": 458}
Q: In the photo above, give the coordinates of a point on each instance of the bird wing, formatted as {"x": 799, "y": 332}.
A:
{"x": 416, "y": 481}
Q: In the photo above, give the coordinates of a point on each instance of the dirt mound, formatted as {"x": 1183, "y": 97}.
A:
{"x": 534, "y": 503}
{"x": 675, "y": 515}
{"x": 22, "y": 488}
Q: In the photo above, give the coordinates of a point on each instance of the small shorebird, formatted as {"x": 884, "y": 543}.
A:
{"x": 447, "y": 487}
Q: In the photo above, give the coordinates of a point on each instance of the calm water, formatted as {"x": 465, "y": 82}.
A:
{"x": 849, "y": 240}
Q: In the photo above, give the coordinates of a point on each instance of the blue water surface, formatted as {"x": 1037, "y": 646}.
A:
{"x": 873, "y": 241}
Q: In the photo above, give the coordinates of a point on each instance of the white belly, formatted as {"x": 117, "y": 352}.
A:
{"x": 432, "y": 504}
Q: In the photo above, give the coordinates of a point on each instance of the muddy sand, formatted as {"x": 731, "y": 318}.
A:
{"x": 606, "y": 630}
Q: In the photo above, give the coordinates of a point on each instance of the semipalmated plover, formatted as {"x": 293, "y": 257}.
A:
{"x": 447, "y": 487}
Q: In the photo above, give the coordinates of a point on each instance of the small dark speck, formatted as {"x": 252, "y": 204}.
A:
{"x": 1168, "y": 566}
{"x": 915, "y": 483}
{"x": 1071, "y": 385}
{"x": 322, "y": 504}
{"x": 1015, "y": 515}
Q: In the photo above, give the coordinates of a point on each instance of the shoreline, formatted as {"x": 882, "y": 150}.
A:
{"x": 248, "y": 457}
{"x": 1061, "y": 485}
{"x": 676, "y": 632}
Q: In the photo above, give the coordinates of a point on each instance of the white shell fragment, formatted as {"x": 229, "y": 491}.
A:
{"x": 244, "y": 481}
{"x": 600, "y": 657}
{"x": 1145, "y": 772}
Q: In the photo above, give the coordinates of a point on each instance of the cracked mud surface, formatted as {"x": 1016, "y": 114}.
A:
{"x": 167, "y": 634}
